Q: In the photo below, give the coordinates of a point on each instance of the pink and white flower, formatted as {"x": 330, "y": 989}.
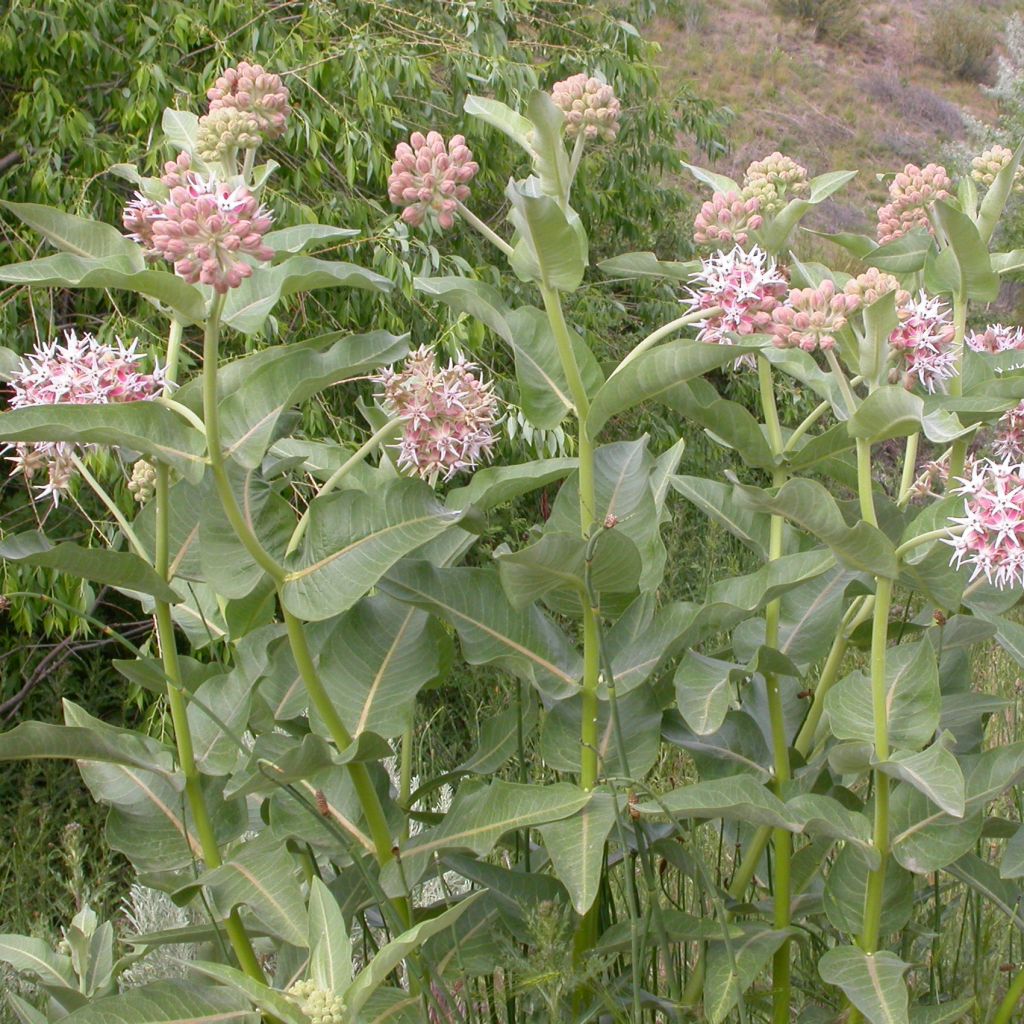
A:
{"x": 430, "y": 178}
{"x": 1009, "y": 440}
{"x": 924, "y": 343}
{"x": 205, "y": 228}
{"x": 745, "y": 286}
{"x": 991, "y": 530}
{"x": 448, "y": 414}
{"x": 79, "y": 371}
{"x": 996, "y": 338}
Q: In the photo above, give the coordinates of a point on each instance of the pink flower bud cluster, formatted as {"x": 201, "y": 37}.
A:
{"x": 924, "y": 343}
{"x": 1009, "y": 440}
{"x": 811, "y": 317}
{"x": 252, "y": 89}
{"x": 590, "y": 106}
{"x": 430, "y": 179}
{"x": 771, "y": 179}
{"x": 205, "y": 228}
{"x": 448, "y": 415}
{"x": 746, "y": 287}
{"x": 176, "y": 172}
{"x": 992, "y": 523}
{"x": 727, "y": 218}
{"x": 81, "y": 371}
{"x": 909, "y": 195}
{"x": 985, "y": 168}
{"x": 870, "y": 286}
{"x": 996, "y": 338}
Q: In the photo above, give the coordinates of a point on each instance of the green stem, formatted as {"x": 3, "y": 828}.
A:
{"x": 368, "y": 798}
{"x": 489, "y": 233}
{"x": 909, "y": 475}
{"x": 927, "y": 538}
{"x": 173, "y": 356}
{"x": 876, "y": 880}
{"x": 587, "y": 931}
{"x": 662, "y": 332}
{"x": 405, "y": 776}
{"x": 781, "y": 839}
{"x": 100, "y": 491}
{"x": 864, "y": 490}
{"x": 844, "y": 385}
{"x": 247, "y": 164}
{"x": 958, "y": 454}
{"x": 338, "y": 475}
{"x": 237, "y": 935}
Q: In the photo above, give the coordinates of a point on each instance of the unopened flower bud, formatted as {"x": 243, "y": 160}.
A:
{"x": 985, "y": 168}
{"x": 224, "y": 131}
{"x": 589, "y": 105}
{"x": 430, "y": 178}
{"x": 811, "y": 317}
{"x": 252, "y": 89}
{"x": 771, "y": 180}
{"x": 142, "y": 484}
{"x": 910, "y": 193}
{"x": 727, "y": 219}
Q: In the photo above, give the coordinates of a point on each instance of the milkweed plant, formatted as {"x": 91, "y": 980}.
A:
{"x": 756, "y": 805}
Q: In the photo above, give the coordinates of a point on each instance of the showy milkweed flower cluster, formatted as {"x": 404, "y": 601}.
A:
{"x": 448, "y": 415}
{"x": 996, "y": 338}
{"x": 223, "y": 132}
{"x": 79, "y": 371}
{"x": 910, "y": 193}
{"x": 430, "y": 178}
{"x": 771, "y": 179}
{"x": 924, "y": 344}
{"x": 745, "y": 286}
{"x": 253, "y": 90}
{"x": 811, "y": 317}
{"x": 727, "y": 218}
{"x": 589, "y": 105}
{"x": 206, "y": 226}
{"x": 985, "y": 168}
{"x": 992, "y": 526}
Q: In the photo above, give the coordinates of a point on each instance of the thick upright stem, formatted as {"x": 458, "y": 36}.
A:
{"x": 958, "y": 455}
{"x": 781, "y": 839}
{"x": 1007, "y": 1008}
{"x": 368, "y": 798}
{"x": 176, "y": 698}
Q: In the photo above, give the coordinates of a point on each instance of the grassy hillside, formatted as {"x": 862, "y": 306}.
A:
{"x": 881, "y": 95}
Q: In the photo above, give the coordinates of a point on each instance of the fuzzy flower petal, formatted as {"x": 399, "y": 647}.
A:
{"x": 746, "y": 286}
{"x": 79, "y": 371}
{"x": 449, "y": 415}
{"x": 924, "y": 344}
{"x": 991, "y": 530}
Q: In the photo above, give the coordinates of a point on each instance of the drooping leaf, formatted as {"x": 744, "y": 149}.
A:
{"x": 261, "y": 875}
{"x": 934, "y": 771}
{"x": 480, "y": 815}
{"x": 121, "y": 569}
{"x": 354, "y": 539}
{"x": 168, "y": 1002}
{"x": 656, "y": 375}
{"x": 647, "y": 265}
{"x": 912, "y": 699}
{"x": 146, "y": 427}
{"x": 525, "y": 643}
{"x": 846, "y": 884}
{"x": 552, "y": 245}
{"x": 576, "y": 848}
{"x": 248, "y": 306}
{"x": 705, "y": 690}
{"x": 301, "y": 237}
{"x": 120, "y": 273}
{"x": 730, "y": 972}
{"x": 736, "y": 798}
{"x": 35, "y": 957}
{"x": 496, "y": 485}
{"x": 873, "y": 982}
{"x": 79, "y": 236}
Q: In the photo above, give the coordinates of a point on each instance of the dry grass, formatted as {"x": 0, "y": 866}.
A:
{"x": 876, "y": 102}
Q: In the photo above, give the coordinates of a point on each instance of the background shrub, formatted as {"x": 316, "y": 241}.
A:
{"x": 834, "y": 21}
{"x": 960, "y": 42}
